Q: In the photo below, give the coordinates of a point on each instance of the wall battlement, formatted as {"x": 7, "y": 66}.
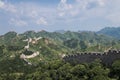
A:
{"x": 106, "y": 58}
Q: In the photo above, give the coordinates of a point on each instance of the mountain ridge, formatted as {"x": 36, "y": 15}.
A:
{"x": 111, "y": 31}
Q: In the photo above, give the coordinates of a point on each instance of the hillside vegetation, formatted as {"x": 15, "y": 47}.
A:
{"x": 38, "y": 56}
{"x": 111, "y": 31}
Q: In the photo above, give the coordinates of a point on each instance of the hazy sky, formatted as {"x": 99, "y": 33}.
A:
{"x": 50, "y": 15}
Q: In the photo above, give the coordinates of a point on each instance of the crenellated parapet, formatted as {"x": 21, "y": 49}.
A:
{"x": 106, "y": 57}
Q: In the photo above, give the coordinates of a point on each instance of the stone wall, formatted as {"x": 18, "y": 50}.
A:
{"x": 106, "y": 58}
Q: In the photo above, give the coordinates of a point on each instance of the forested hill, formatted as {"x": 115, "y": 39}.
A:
{"x": 67, "y": 41}
{"x": 85, "y": 36}
{"x": 111, "y": 31}
{"x": 48, "y": 46}
{"x": 38, "y": 56}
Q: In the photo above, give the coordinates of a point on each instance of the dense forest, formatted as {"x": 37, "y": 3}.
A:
{"x": 39, "y": 56}
{"x": 58, "y": 70}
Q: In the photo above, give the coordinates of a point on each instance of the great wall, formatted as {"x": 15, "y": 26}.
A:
{"x": 106, "y": 58}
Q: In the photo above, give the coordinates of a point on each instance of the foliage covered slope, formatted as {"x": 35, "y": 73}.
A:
{"x": 52, "y": 46}
{"x": 111, "y": 31}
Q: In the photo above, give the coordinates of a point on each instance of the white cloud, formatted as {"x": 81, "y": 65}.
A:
{"x": 8, "y": 7}
{"x": 80, "y": 6}
{"x": 79, "y": 12}
{"x": 103, "y": 12}
{"x": 18, "y": 22}
{"x": 113, "y": 12}
{"x": 29, "y": 13}
{"x": 63, "y": 7}
{"x": 85, "y": 3}
{"x": 101, "y": 2}
{"x": 114, "y": 17}
{"x": 1, "y": 4}
{"x": 42, "y": 21}
{"x": 61, "y": 14}
{"x": 33, "y": 14}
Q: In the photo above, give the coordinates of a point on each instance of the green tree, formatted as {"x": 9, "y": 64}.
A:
{"x": 1, "y": 48}
{"x": 80, "y": 71}
{"x": 72, "y": 43}
{"x": 115, "y": 72}
{"x": 83, "y": 46}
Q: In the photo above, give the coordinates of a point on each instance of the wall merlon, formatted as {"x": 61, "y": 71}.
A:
{"x": 106, "y": 57}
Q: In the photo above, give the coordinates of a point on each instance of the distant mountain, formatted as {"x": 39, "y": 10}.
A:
{"x": 60, "y": 31}
{"x": 111, "y": 31}
{"x": 67, "y": 41}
